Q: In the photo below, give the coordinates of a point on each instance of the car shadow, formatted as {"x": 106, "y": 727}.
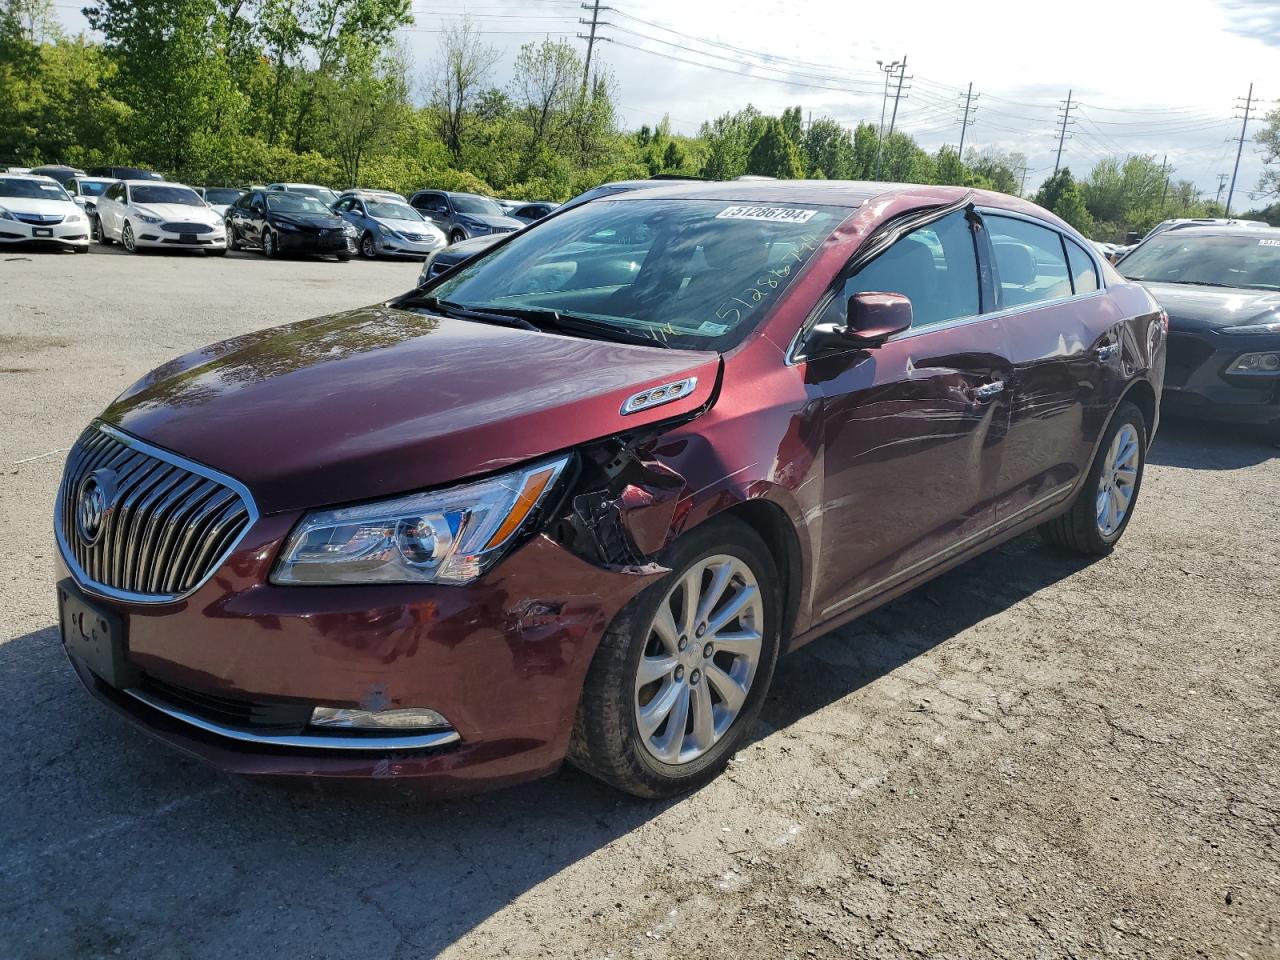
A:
{"x": 1201, "y": 445}
{"x": 114, "y": 843}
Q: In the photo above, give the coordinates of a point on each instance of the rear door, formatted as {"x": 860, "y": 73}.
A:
{"x": 912, "y": 429}
{"x": 1063, "y": 334}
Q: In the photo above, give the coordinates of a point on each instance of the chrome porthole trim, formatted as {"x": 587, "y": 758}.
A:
{"x": 657, "y": 396}
{"x": 699, "y": 659}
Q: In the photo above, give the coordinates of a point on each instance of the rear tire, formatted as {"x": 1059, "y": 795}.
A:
{"x": 84, "y": 249}
{"x": 608, "y": 741}
{"x": 99, "y": 234}
{"x": 1114, "y": 479}
{"x": 233, "y": 241}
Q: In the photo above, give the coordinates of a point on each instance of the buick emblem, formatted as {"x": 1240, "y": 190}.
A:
{"x": 94, "y": 501}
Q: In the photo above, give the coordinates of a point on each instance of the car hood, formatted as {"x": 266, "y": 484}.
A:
{"x": 381, "y": 401}
{"x": 180, "y": 212}
{"x": 1193, "y": 307}
{"x": 410, "y": 226}
{"x": 489, "y": 220}
{"x": 34, "y": 206}
{"x": 319, "y": 220}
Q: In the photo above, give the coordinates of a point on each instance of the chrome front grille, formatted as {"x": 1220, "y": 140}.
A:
{"x": 165, "y": 523}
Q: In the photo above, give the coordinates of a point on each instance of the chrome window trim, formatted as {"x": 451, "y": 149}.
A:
{"x": 92, "y": 586}
{"x": 435, "y": 738}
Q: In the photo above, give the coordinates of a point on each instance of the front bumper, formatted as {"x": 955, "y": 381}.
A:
{"x": 336, "y": 243}
{"x": 1197, "y": 385}
{"x": 65, "y": 234}
{"x": 404, "y": 247}
{"x": 155, "y": 235}
{"x": 502, "y": 659}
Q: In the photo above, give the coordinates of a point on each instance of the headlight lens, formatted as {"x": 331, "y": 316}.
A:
{"x": 448, "y": 536}
{"x": 1252, "y": 328}
{"x": 147, "y": 218}
{"x": 6, "y": 215}
{"x": 1256, "y": 363}
{"x": 73, "y": 218}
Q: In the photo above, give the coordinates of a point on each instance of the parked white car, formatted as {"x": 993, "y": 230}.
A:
{"x": 220, "y": 198}
{"x": 150, "y": 213}
{"x": 38, "y": 208}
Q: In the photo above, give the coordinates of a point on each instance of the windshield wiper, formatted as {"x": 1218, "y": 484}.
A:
{"x": 462, "y": 312}
{"x": 545, "y": 318}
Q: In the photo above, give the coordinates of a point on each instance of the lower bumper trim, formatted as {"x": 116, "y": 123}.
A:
{"x": 434, "y": 738}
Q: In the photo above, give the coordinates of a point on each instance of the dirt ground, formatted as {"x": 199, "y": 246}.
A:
{"x": 1030, "y": 757}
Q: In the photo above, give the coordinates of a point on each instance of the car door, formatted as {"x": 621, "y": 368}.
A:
{"x": 912, "y": 430}
{"x": 433, "y": 207}
{"x": 255, "y": 219}
{"x": 1064, "y": 339}
{"x": 108, "y": 210}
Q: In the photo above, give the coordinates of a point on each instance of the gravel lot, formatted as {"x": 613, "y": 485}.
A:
{"x": 1030, "y": 757}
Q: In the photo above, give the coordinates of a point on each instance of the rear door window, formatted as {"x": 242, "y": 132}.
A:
{"x": 936, "y": 267}
{"x": 1030, "y": 264}
{"x": 1084, "y": 275}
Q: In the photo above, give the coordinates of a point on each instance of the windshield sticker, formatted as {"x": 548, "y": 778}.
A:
{"x": 1269, "y": 243}
{"x": 709, "y": 328}
{"x": 770, "y": 214}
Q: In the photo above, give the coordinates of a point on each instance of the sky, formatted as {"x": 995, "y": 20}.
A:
{"x": 1145, "y": 77}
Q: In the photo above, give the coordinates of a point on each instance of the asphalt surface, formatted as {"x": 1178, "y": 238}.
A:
{"x": 1032, "y": 756}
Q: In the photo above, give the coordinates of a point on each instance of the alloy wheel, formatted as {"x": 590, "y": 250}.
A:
{"x": 268, "y": 243}
{"x": 699, "y": 659}
{"x": 367, "y": 248}
{"x": 1117, "y": 481}
{"x": 126, "y": 237}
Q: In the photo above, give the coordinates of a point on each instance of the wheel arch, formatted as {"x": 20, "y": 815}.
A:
{"x": 1143, "y": 396}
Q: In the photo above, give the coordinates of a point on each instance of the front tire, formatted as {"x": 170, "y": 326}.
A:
{"x": 682, "y": 672}
{"x": 127, "y": 238}
{"x": 368, "y": 248}
{"x": 270, "y": 244}
{"x": 457, "y": 237}
{"x": 233, "y": 241}
{"x": 1103, "y": 507}
{"x": 99, "y": 234}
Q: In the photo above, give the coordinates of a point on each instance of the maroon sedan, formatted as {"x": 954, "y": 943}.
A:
{"x": 572, "y": 499}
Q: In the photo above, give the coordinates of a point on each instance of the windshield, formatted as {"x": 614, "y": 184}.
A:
{"x": 93, "y": 188}
{"x": 1225, "y": 260}
{"x": 222, "y": 194}
{"x": 32, "y": 189}
{"x": 296, "y": 203}
{"x": 166, "y": 194}
{"x": 697, "y": 274}
{"x": 323, "y": 194}
{"x": 391, "y": 210}
{"x": 477, "y": 205}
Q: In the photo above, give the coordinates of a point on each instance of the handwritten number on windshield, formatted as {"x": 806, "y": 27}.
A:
{"x": 766, "y": 284}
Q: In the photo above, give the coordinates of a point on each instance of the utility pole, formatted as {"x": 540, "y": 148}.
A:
{"x": 1022, "y": 190}
{"x": 902, "y": 73}
{"x": 595, "y": 9}
{"x": 888, "y": 70}
{"x": 1222, "y": 185}
{"x": 1164, "y": 168}
{"x": 1244, "y": 127}
{"x": 964, "y": 124}
{"x": 1062, "y": 135}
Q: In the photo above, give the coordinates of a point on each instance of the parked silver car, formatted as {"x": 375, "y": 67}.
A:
{"x": 388, "y": 227}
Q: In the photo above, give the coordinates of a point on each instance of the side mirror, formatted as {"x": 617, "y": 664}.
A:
{"x": 79, "y": 201}
{"x": 875, "y": 317}
{"x": 872, "y": 319}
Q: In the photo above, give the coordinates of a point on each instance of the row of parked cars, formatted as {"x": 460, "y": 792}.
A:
{"x": 137, "y": 208}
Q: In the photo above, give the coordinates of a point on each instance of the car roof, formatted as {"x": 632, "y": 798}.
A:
{"x": 846, "y": 193}
{"x": 1222, "y": 230}
{"x": 38, "y": 177}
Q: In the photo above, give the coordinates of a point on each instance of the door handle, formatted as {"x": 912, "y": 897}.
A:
{"x": 988, "y": 390}
{"x": 1107, "y": 351}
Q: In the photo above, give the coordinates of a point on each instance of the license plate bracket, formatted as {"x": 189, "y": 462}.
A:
{"x": 42, "y": 231}
{"x": 188, "y": 238}
{"x": 95, "y": 637}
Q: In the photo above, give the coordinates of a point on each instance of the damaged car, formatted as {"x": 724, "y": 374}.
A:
{"x": 572, "y": 499}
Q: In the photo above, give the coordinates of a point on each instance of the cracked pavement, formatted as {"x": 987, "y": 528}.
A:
{"x": 1032, "y": 756}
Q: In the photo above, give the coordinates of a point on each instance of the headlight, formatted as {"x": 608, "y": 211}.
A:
{"x": 6, "y": 215}
{"x": 1251, "y": 328}
{"x": 147, "y": 218}
{"x": 448, "y": 536}
{"x": 73, "y": 218}
{"x": 1256, "y": 363}
{"x": 283, "y": 225}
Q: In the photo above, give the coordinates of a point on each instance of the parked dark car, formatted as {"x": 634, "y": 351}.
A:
{"x": 124, "y": 173}
{"x": 280, "y": 223}
{"x": 463, "y": 216}
{"x": 454, "y": 254}
{"x": 533, "y": 211}
{"x": 545, "y": 507}
{"x": 1221, "y": 288}
{"x": 58, "y": 171}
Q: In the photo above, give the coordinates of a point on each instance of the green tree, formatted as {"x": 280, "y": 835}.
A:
{"x": 366, "y": 106}
{"x": 775, "y": 154}
{"x": 828, "y": 150}
{"x": 463, "y": 67}
{"x": 1269, "y": 139}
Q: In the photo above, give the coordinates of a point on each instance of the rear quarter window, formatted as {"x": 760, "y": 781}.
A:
{"x": 1030, "y": 263}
